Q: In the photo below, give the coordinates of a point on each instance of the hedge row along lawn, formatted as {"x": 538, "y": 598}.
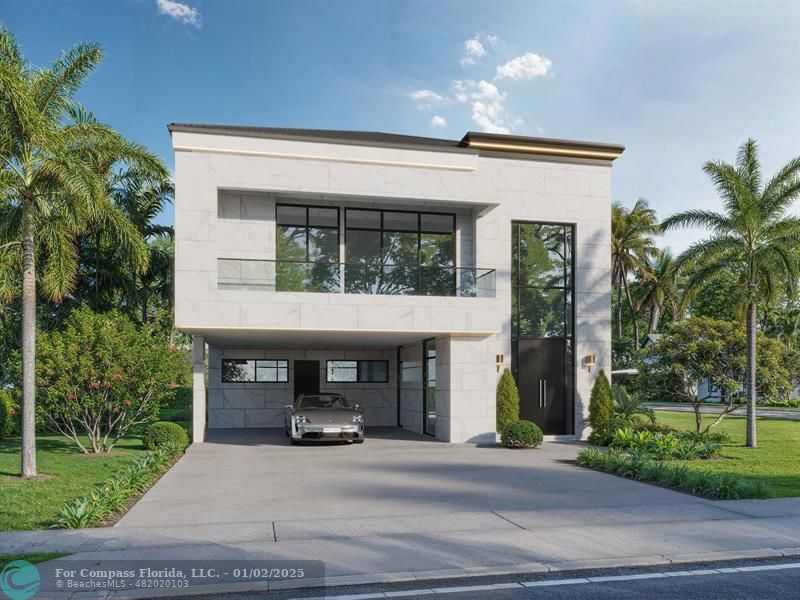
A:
{"x": 65, "y": 474}
{"x": 775, "y": 463}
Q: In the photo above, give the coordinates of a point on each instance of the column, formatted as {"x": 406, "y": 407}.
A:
{"x": 198, "y": 388}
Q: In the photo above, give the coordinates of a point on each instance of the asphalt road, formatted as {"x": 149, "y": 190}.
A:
{"x": 693, "y": 581}
{"x": 761, "y": 413}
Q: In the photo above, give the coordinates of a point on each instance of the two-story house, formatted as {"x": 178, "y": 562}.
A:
{"x": 405, "y": 272}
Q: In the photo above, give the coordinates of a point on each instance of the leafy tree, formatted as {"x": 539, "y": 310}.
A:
{"x": 507, "y": 401}
{"x": 658, "y": 289}
{"x": 101, "y": 375}
{"x": 722, "y": 299}
{"x": 700, "y": 349}
{"x": 601, "y": 404}
{"x": 632, "y": 249}
{"x": 755, "y": 239}
{"x": 52, "y": 187}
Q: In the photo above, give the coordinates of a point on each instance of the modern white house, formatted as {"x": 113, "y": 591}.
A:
{"x": 405, "y": 272}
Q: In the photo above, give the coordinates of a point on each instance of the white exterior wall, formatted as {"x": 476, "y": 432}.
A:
{"x": 495, "y": 190}
{"x": 236, "y": 405}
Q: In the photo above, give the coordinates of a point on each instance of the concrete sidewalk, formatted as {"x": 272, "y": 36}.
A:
{"x": 418, "y": 547}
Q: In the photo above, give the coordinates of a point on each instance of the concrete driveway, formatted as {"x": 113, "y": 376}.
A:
{"x": 394, "y": 482}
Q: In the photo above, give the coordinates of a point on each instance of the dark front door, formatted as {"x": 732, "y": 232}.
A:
{"x": 306, "y": 377}
{"x": 541, "y": 377}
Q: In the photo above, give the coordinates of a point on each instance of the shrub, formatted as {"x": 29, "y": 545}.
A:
{"x": 100, "y": 375}
{"x": 521, "y": 434}
{"x": 113, "y": 495}
{"x": 164, "y": 433}
{"x": 601, "y": 405}
{"x": 507, "y": 401}
{"x": 628, "y": 407}
{"x": 717, "y": 487}
{"x": 179, "y": 397}
{"x": 7, "y": 415}
{"x": 655, "y": 427}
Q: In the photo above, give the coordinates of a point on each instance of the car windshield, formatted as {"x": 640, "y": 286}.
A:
{"x": 323, "y": 402}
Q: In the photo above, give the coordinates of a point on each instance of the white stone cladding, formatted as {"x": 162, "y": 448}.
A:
{"x": 224, "y": 208}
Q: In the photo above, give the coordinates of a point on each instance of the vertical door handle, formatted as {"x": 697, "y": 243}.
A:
{"x": 540, "y": 393}
{"x": 544, "y": 385}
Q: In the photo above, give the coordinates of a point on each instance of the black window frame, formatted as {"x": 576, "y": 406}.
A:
{"x": 255, "y": 369}
{"x": 419, "y": 231}
{"x": 358, "y": 370}
{"x": 307, "y": 225}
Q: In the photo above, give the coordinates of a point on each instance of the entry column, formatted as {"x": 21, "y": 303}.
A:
{"x": 198, "y": 388}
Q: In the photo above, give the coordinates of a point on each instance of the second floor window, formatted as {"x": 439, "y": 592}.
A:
{"x": 307, "y": 248}
{"x": 399, "y": 252}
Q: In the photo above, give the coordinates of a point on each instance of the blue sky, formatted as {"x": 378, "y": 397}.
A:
{"x": 677, "y": 83}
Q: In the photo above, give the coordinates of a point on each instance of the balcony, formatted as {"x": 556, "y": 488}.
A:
{"x": 338, "y": 278}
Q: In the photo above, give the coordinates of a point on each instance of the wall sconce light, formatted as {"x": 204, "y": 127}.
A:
{"x": 590, "y": 361}
{"x": 499, "y": 362}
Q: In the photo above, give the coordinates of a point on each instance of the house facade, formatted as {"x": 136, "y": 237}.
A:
{"x": 403, "y": 272}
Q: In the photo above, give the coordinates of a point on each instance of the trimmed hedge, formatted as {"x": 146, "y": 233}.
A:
{"x": 507, "y": 401}
{"x": 7, "y": 416}
{"x": 113, "y": 495}
{"x": 164, "y": 433}
{"x": 672, "y": 475}
{"x": 521, "y": 434}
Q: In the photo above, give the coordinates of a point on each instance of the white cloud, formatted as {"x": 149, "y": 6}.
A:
{"x": 491, "y": 39}
{"x": 438, "y": 121}
{"x": 183, "y": 13}
{"x": 488, "y": 105}
{"x": 426, "y": 99}
{"x": 527, "y": 66}
{"x": 473, "y": 50}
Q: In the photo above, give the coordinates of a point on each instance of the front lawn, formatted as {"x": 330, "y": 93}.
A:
{"x": 775, "y": 463}
{"x": 65, "y": 473}
{"x": 33, "y": 558}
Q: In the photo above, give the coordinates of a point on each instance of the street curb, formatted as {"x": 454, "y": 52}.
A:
{"x": 464, "y": 572}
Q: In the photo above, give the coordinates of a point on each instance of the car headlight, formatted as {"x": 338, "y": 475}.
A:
{"x": 358, "y": 418}
{"x": 301, "y": 419}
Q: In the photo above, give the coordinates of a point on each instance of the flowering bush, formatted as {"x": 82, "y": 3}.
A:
{"x": 100, "y": 375}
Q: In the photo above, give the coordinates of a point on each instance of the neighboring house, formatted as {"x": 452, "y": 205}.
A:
{"x": 405, "y": 272}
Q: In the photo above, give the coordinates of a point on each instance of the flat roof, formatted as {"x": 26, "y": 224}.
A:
{"x": 490, "y": 143}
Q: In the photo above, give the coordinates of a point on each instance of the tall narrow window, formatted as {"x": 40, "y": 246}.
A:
{"x": 307, "y": 249}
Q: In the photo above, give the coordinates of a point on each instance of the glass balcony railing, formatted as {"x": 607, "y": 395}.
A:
{"x": 393, "y": 280}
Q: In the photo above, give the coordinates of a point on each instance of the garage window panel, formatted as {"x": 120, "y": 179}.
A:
{"x": 240, "y": 370}
{"x": 357, "y": 371}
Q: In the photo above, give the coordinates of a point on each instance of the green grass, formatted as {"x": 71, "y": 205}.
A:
{"x": 33, "y": 558}
{"x": 775, "y": 463}
{"x": 34, "y": 504}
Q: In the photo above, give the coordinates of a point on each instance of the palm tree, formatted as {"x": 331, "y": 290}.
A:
{"x": 632, "y": 249}
{"x": 52, "y": 186}
{"x": 658, "y": 287}
{"x": 754, "y": 238}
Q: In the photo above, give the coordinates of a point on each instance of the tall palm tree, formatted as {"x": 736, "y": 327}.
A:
{"x": 659, "y": 288}
{"x": 632, "y": 249}
{"x": 53, "y": 169}
{"x": 755, "y": 238}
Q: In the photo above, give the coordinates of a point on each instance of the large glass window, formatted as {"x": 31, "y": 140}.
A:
{"x": 255, "y": 371}
{"x": 541, "y": 275}
{"x": 307, "y": 248}
{"x": 399, "y": 252}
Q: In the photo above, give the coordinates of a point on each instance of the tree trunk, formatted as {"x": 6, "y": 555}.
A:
{"x": 619, "y": 311}
{"x": 751, "y": 375}
{"x": 28, "y": 458}
{"x": 655, "y": 316}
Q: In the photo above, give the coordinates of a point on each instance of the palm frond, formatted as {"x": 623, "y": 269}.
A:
{"x": 698, "y": 218}
{"x": 66, "y": 76}
{"x": 748, "y": 167}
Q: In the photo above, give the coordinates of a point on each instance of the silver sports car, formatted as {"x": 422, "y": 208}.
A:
{"x": 324, "y": 417}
